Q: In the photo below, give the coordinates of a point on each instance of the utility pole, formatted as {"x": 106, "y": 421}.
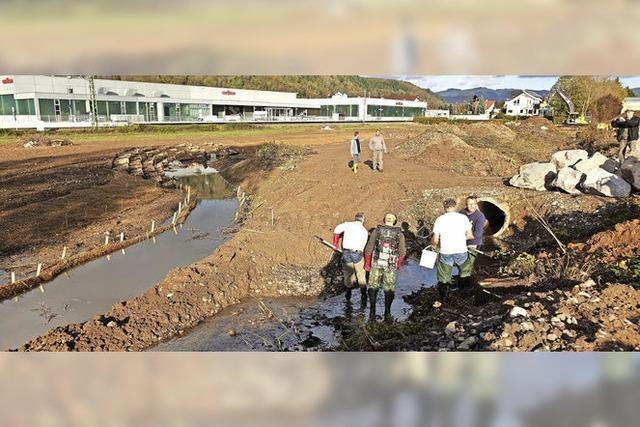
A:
{"x": 93, "y": 105}
{"x": 364, "y": 106}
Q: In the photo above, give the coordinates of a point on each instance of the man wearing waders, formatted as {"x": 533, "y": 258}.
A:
{"x": 354, "y": 239}
{"x": 355, "y": 151}
{"x": 451, "y": 232}
{"x": 384, "y": 254}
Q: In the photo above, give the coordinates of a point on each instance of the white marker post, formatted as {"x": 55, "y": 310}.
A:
{"x": 153, "y": 225}
{"x": 188, "y": 194}
{"x": 38, "y": 269}
{"x": 64, "y": 252}
{"x": 122, "y": 236}
{"x": 13, "y": 277}
{"x": 179, "y": 207}
{"x": 175, "y": 216}
{"x": 106, "y": 238}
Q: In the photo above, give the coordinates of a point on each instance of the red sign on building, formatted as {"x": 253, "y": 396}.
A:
{"x": 7, "y": 80}
{"x": 228, "y": 92}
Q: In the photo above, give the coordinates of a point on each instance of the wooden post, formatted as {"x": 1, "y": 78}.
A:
{"x": 39, "y": 269}
{"x": 179, "y": 207}
{"x": 13, "y": 277}
{"x": 153, "y": 225}
{"x": 106, "y": 238}
{"x": 64, "y": 252}
{"x": 188, "y": 194}
{"x": 175, "y": 216}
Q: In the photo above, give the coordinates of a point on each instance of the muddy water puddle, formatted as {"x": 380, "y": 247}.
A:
{"x": 293, "y": 323}
{"x": 90, "y": 289}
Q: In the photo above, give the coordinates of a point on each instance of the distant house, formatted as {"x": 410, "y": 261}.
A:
{"x": 490, "y": 107}
{"x": 526, "y": 103}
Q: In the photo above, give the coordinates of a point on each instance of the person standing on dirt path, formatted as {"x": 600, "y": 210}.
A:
{"x": 354, "y": 239}
{"x": 378, "y": 148}
{"x": 631, "y": 123}
{"x": 355, "y": 151}
{"x": 451, "y": 232}
{"x": 383, "y": 256}
{"x": 478, "y": 220}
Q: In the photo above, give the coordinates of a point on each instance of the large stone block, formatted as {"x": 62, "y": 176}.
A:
{"x": 591, "y": 163}
{"x": 568, "y": 158}
{"x": 630, "y": 172}
{"x": 535, "y": 176}
{"x": 568, "y": 179}
{"x": 599, "y": 181}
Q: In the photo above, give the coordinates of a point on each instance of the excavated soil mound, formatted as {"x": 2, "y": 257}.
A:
{"x": 621, "y": 242}
{"x": 445, "y": 147}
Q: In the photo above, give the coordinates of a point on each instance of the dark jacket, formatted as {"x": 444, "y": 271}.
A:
{"x": 630, "y": 124}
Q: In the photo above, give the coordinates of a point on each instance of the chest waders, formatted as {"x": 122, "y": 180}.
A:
{"x": 385, "y": 258}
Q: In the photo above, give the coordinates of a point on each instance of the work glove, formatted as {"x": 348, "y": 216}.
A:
{"x": 336, "y": 242}
{"x": 367, "y": 262}
{"x": 400, "y": 262}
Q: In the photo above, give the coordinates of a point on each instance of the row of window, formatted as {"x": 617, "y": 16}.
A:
{"x": 64, "y": 108}
{"x": 20, "y": 107}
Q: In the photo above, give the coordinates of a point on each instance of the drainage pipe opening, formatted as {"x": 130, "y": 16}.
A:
{"x": 497, "y": 214}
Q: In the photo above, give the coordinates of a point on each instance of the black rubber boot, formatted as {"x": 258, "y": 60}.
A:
{"x": 464, "y": 283}
{"x": 363, "y": 297}
{"x": 347, "y": 294}
{"x": 388, "y": 299}
{"x": 373, "y": 296}
{"x": 443, "y": 289}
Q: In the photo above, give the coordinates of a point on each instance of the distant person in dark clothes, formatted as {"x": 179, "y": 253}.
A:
{"x": 355, "y": 151}
{"x": 478, "y": 220}
{"x": 631, "y": 123}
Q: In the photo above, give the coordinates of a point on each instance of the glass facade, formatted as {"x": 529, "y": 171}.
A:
{"x": 394, "y": 111}
{"x": 25, "y": 107}
{"x": 7, "y": 105}
{"x": 342, "y": 110}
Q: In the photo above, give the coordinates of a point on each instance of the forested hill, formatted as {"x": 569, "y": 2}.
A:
{"x": 305, "y": 86}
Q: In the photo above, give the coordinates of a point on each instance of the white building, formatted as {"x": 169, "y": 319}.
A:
{"x": 526, "y": 103}
{"x": 28, "y": 101}
{"x": 631, "y": 103}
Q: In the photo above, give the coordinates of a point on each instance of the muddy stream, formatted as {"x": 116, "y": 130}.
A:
{"x": 92, "y": 288}
{"x": 294, "y": 324}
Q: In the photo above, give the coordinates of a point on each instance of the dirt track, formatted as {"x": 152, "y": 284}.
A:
{"x": 275, "y": 253}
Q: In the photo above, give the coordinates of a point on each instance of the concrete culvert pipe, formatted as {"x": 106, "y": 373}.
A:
{"x": 497, "y": 214}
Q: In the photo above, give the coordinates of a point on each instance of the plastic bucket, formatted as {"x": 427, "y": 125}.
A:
{"x": 428, "y": 258}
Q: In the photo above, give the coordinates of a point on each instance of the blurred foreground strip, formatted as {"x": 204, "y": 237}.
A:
{"x": 308, "y": 37}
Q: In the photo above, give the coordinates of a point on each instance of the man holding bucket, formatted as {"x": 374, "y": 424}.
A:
{"x": 450, "y": 233}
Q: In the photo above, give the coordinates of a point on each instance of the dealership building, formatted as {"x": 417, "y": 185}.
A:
{"x": 40, "y": 102}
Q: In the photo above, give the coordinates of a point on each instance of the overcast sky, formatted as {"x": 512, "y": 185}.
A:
{"x": 439, "y": 83}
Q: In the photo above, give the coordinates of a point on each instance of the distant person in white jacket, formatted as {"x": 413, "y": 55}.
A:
{"x": 378, "y": 148}
{"x": 355, "y": 151}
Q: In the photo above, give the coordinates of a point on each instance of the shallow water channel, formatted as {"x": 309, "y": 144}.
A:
{"x": 92, "y": 288}
{"x": 292, "y": 323}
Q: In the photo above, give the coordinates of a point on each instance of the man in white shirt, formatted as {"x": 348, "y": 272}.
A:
{"x": 451, "y": 232}
{"x": 354, "y": 239}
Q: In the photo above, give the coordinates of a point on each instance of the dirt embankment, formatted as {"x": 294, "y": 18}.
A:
{"x": 484, "y": 148}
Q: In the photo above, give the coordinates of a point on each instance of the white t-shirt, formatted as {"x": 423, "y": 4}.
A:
{"x": 452, "y": 229}
{"x": 355, "y": 235}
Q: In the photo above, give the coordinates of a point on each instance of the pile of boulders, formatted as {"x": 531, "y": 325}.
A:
{"x": 575, "y": 172}
{"x": 43, "y": 141}
{"x": 152, "y": 163}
